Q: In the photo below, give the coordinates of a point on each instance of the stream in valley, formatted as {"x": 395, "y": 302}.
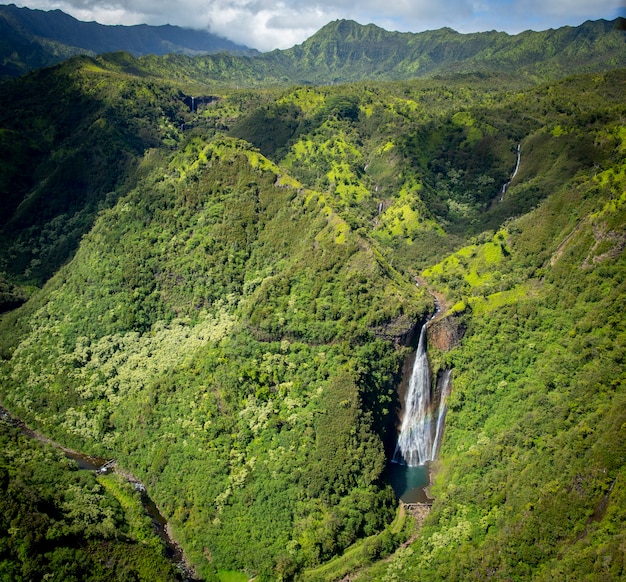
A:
{"x": 102, "y": 466}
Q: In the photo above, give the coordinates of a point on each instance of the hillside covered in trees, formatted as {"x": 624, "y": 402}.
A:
{"x": 216, "y": 286}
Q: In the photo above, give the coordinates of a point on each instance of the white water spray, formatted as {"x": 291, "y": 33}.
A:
{"x": 507, "y": 184}
{"x": 446, "y": 385}
{"x": 420, "y": 438}
{"x": 415, "y": 441}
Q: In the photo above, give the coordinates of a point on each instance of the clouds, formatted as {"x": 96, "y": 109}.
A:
{"x": 269, "y": 24}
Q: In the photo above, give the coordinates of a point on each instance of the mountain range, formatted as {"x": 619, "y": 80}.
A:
{"x": 340, "y": 52}
{"x": 214, "y": 271}
{"x": 31, "y": 39}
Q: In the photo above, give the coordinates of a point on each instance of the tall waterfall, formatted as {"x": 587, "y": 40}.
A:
{"x": 419, "y": 438}
{"x": 415, "y": 441}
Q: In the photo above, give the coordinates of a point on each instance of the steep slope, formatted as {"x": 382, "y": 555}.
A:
{"x": 47, "y": 504}
{"x": 414, "y": 163}
{"x": 217, "y": 334}
{"x": 70, "y": 139}
{"x": 346, "y": 51}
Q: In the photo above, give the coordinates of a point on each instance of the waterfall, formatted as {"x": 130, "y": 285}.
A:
{"x": 441, "y": 417}
{"x": 415, "y": 441}
{"x": 519, "y": 157}
{"x": 420, "y": 438}
{"x": 507, "y": 184}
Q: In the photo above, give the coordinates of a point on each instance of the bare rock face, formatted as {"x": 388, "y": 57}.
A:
{"x": 445, "y": 333}
{"x": 399, "y": 330}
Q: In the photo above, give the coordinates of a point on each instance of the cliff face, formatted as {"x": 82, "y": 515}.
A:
{"x": 445, "y": 333}
{"x": 400, "y": 330}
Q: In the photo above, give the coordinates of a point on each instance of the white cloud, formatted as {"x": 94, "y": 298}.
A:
{"x": 269, "y": 24}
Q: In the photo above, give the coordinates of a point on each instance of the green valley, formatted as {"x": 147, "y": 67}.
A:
{"x": 215, "y": 273}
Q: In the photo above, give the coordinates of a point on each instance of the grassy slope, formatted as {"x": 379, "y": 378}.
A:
{"x": 344, "y": 51}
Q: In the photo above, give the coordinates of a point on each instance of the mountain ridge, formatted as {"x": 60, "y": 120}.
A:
{"x": 56, "y": 35}
{"x": 341, "y": 51}
{"x": 397, "y": 55}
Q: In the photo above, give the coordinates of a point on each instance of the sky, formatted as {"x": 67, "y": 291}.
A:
{"x": 270, "y": 24}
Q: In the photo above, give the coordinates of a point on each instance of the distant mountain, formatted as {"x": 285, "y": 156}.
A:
{"x": 342, "y": 51}
{"x": 34, "y": 38}
{"x": 347, "y": 51}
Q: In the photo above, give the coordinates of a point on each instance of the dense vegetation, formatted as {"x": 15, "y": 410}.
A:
{"x": 220, "y": 293}
{"x": 59, "y": 523}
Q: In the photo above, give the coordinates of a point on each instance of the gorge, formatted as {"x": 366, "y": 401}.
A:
{"x": 422, "y": 425}
{"x": 101, "y": 466}
{"x": 230, "y": 313}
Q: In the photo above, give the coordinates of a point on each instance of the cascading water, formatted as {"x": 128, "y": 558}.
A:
{"x": 420, "y": 438}
{"x": 446, "y": 384}
{"x": 415, "y": 441}
{"x": 507, "y": 184}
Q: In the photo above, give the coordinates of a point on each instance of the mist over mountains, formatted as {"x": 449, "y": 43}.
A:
{"x": 34, "y": 38}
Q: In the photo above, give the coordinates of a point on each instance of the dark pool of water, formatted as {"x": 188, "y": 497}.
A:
{"x": 409, "y": 482}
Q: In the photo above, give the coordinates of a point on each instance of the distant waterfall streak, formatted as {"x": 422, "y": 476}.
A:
{"x": 507, "y": 184}
{"x": 519, "y": 157}
{"x": 415, "y": 441}
{"x": 441, "y": 417}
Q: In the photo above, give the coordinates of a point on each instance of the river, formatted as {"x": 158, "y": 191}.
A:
{"x": 101, "y": 466}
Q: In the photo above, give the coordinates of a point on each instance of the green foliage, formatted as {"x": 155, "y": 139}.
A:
{"x": 80, "y": 131}
{"x": 341, "y": 52}
{"x": 58, "y": 523}
{"x": 365, "y": 551}
{"x": 231, "y": 325}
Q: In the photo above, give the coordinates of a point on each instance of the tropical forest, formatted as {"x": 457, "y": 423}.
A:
{"x": 350, "y": 311}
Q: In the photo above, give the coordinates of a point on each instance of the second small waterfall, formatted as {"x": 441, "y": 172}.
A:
{"x": 446, "y": 385}
{"x": 422, "y": 423}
